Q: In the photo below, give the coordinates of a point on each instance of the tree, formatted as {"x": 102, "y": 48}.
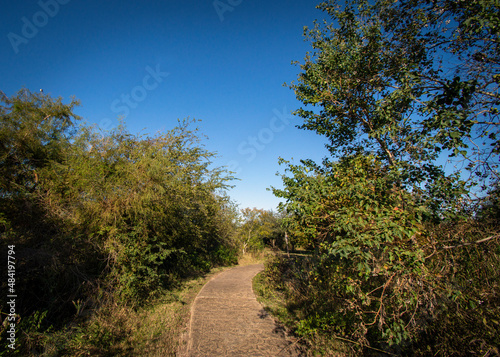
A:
{"x": 35, "y": 129}
{"x": 395, "y": 86}
{"x": 364, "y": 239}
{"x": 460, "y": 81}
{"x": 383, "y": 83}
{"x": 35, "y": 134}
{"x": 259, "y": 227}
{"x": 152, "y": 204}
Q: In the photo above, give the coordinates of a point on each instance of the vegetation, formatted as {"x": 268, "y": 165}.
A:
{"x": 407, "y": 255}
{"x": 259, "y": 228}
{"x": 400, "y": 255}
{"x": 103, "y": 219}
{"x": 151, "y": 330}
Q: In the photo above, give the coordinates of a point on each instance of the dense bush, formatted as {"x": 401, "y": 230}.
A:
{"x": 449, "y": 308}
{"x": 98, "y": 216}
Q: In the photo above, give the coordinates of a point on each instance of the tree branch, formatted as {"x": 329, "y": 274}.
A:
{"x": 471, "y": 243}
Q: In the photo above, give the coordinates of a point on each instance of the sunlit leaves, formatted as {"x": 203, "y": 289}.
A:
{"x": 142, "y": 211}
{"x": 34, "y": 131}
{"x": 379, "y": 88}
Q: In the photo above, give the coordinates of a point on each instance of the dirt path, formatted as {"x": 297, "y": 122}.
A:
{"x": 227, "y": 320}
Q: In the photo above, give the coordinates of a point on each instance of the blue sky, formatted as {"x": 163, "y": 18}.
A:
{"x": 222, "y": 61}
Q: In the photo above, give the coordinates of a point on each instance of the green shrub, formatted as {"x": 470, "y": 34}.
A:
{"x": 104, "y": 214}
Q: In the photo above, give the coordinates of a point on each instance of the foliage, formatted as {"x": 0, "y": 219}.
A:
{"x": 34, "y": 132}
{"x": 105, "y": 216}
{"x": 258, "y": 228}
{"x": 460, "y": 80}
{"x": 380, "y": 74}
{"x": 366, "y": 231}
{"x": 151, "y": 203}
{"x": 401, "y": 250}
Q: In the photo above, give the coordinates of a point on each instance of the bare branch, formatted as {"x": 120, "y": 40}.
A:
{"x": 471, "y": 243}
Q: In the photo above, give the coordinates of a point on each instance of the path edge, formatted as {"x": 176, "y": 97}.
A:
{"x": 185, "y": 340}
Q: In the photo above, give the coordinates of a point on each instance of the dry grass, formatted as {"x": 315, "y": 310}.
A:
{"x": 254, "y": 257}
{"x": 161, "y": 327}
{"x": 157, "y": 329}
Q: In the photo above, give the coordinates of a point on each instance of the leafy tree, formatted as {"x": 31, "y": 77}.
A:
{"x": 248, "y": 232}
{"x": 259, "y": 227}
{"x": 35, "y": 129}
{"x": 35, "y": 132}
{"x": 383, "y": 82}
{"x": 381, "y": 212}
{"x": 366, "y": 236}
{"x": 150, "y": 203}
{"x": 459, "y": 83}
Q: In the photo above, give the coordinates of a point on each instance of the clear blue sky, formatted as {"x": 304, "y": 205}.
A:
{"x": 223, "y": 62}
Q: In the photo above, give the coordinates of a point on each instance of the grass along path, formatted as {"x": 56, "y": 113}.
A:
{"x": 157, "y": 329}
{"x": 114, "y": 330}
